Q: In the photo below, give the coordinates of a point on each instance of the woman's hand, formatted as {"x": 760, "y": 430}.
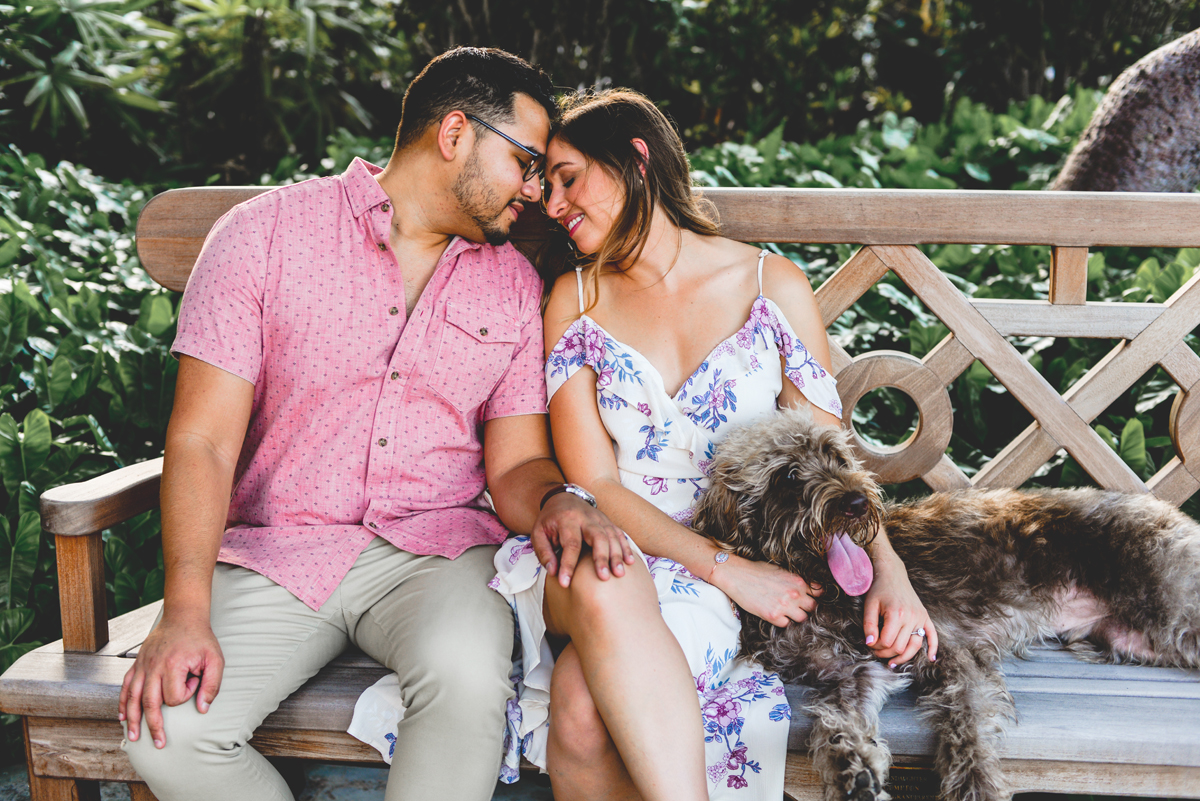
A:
{"x": 892, "y": 599}
{"x": 765, "y": 590}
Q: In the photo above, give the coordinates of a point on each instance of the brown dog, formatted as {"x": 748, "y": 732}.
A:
{"x": 1116, "y": 577}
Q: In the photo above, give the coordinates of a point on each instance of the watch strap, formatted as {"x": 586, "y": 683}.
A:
{"x": 574, "y": 489}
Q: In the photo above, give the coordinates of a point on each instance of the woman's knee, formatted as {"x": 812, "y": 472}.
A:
{"x": 599, "y": 605}
{"x": 578, "y": 731}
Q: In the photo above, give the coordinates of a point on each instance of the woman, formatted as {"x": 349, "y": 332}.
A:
{"x": 652, "y": 639}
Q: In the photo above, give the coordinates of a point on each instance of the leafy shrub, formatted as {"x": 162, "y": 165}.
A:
{"x": 86, "y": 382}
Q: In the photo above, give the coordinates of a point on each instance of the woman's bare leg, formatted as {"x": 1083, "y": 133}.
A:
{"x": 638, "y": 680}
{"x": 580, "y": 755}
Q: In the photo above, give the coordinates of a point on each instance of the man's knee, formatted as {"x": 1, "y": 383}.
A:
{"x": 193, "y": 742}
{"x": 472, "y": 666}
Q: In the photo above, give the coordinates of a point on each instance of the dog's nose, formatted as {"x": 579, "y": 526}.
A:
{"x": 856, "y": 506}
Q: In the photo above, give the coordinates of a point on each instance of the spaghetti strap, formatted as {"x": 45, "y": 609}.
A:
{"x": 579, "y": 284}
{"x": 762, "y": 255}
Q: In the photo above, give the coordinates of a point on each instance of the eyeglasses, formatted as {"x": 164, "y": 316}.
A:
{"x": 537, "y": 161}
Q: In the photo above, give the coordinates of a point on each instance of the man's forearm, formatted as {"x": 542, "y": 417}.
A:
{"x": 517, "y": 495}
{"x": 195, "y": 501}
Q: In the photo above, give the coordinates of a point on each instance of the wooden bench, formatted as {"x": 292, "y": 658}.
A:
{"x": 1083, "y": 727}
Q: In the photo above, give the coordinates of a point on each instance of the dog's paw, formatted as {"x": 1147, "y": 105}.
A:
{"x": 862, "y": 785}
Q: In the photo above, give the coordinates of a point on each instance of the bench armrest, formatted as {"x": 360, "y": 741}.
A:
{"x": 76, "y": 514}
{"x": 74, "y": 510}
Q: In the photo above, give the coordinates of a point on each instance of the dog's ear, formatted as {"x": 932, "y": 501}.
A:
{"x": 726, "y": 516}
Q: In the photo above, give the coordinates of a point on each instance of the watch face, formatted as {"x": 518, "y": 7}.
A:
{"x": 580, "y": 492}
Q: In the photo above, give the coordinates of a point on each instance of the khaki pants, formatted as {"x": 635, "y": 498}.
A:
{"x": 430, "y": 619}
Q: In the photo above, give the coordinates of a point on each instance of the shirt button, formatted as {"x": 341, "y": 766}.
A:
{"x": 393, "y": 311}
{"x": 386, "y": 207}
{"x": 395, "y": 375}
{"x": 383, "y": 245}
{"x": 483, "y": 332}
{"x": 373, "y": 525}
{"x": 383, "y": 443}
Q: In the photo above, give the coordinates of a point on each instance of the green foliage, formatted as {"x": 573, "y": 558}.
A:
{"x": 83, "y": 365}
{"x": 195, "y": 91}
{"x": 242, "y": 82}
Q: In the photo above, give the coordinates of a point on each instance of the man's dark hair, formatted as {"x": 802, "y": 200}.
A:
{"x": 475, "y": 80}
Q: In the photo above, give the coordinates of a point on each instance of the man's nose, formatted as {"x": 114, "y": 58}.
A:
{"x": 532, "y": 189}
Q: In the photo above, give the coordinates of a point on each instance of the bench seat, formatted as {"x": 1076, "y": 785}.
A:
{"x": 1135, "y": 729}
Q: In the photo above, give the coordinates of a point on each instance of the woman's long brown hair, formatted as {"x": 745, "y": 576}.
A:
{"x": 602, "y": 127}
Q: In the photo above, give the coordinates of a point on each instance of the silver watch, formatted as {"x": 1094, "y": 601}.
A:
{"x": 574, "y": 489}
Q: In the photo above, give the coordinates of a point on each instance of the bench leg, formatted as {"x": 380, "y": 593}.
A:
{"x": 138, "y": 791}
{"x": 42, "y": 788}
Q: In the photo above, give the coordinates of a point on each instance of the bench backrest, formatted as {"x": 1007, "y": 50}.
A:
{"x": 889, "y": 224}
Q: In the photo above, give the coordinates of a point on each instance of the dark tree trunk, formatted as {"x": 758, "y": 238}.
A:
{"x": 1145, "y": 136}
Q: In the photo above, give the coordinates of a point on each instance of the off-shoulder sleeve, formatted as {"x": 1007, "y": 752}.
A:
{"x": 582, "y": 345}
{"x": 800, "y": 367}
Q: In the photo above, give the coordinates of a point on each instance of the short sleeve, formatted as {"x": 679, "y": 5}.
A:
{"x": 581, "y": 345}
{"x": 521, "y": 389}
{"x": 813, "y": 380}
{"x": 220, "y": 316}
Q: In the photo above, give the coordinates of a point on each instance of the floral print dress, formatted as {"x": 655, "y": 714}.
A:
{"x": 664, "y": 445}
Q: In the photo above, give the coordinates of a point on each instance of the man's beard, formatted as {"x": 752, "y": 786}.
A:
{"x": 478, "y": 201}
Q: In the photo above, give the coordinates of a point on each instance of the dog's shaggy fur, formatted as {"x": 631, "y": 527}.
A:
{"x": 1115, "y": 577}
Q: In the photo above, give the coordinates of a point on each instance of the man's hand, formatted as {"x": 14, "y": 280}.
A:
{"x": 565, "y": 525}
{"x": 177, "y": 661}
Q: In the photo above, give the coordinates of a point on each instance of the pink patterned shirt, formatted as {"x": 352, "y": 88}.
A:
{"x": 364, "y": 422}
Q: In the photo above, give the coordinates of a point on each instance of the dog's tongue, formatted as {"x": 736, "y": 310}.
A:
{"x": 850, "y": 565}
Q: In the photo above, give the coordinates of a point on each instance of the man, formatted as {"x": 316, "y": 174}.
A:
{"x": 357, "y": 374}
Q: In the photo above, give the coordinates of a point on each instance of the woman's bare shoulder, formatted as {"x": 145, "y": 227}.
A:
{"x": 562, "y": 308}
{"x": 784, "y": 281}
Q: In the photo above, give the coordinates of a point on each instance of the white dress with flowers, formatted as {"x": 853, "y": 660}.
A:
{"x": 664, "y": 445}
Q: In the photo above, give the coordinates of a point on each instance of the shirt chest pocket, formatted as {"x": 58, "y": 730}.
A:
{"x": 476, "y": 349}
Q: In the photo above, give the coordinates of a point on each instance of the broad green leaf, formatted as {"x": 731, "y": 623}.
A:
{"x": 157, "y": 314}
{"x": 11, "y": 653}
{"x": 11, "y": 467}
{"x": 9, "y": 250}
{"x": 27, "y": 497}
{"x": 126, "y": 593}
{"x": 14, "y": 325}
{"x": 1189, "y": 257}
{"x": 153, "y": 590}
{"x": 13, "y": 623}
{"x": 18, "y": 561}
{"x": 36, "y": 440}
{"x": 119, "y": 557}
{"x": 924, "y": 338}
{"x": 768, "y": 148}
{"x": 59, "y": 381}
{"x": 1133, "y": 446}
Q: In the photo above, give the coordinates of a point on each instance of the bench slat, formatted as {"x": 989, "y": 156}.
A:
{"x": 172, "y": 226}
{"x": 1137, "y": 730}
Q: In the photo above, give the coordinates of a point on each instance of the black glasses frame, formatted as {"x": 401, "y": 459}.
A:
{"x": 537, "y": 161}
